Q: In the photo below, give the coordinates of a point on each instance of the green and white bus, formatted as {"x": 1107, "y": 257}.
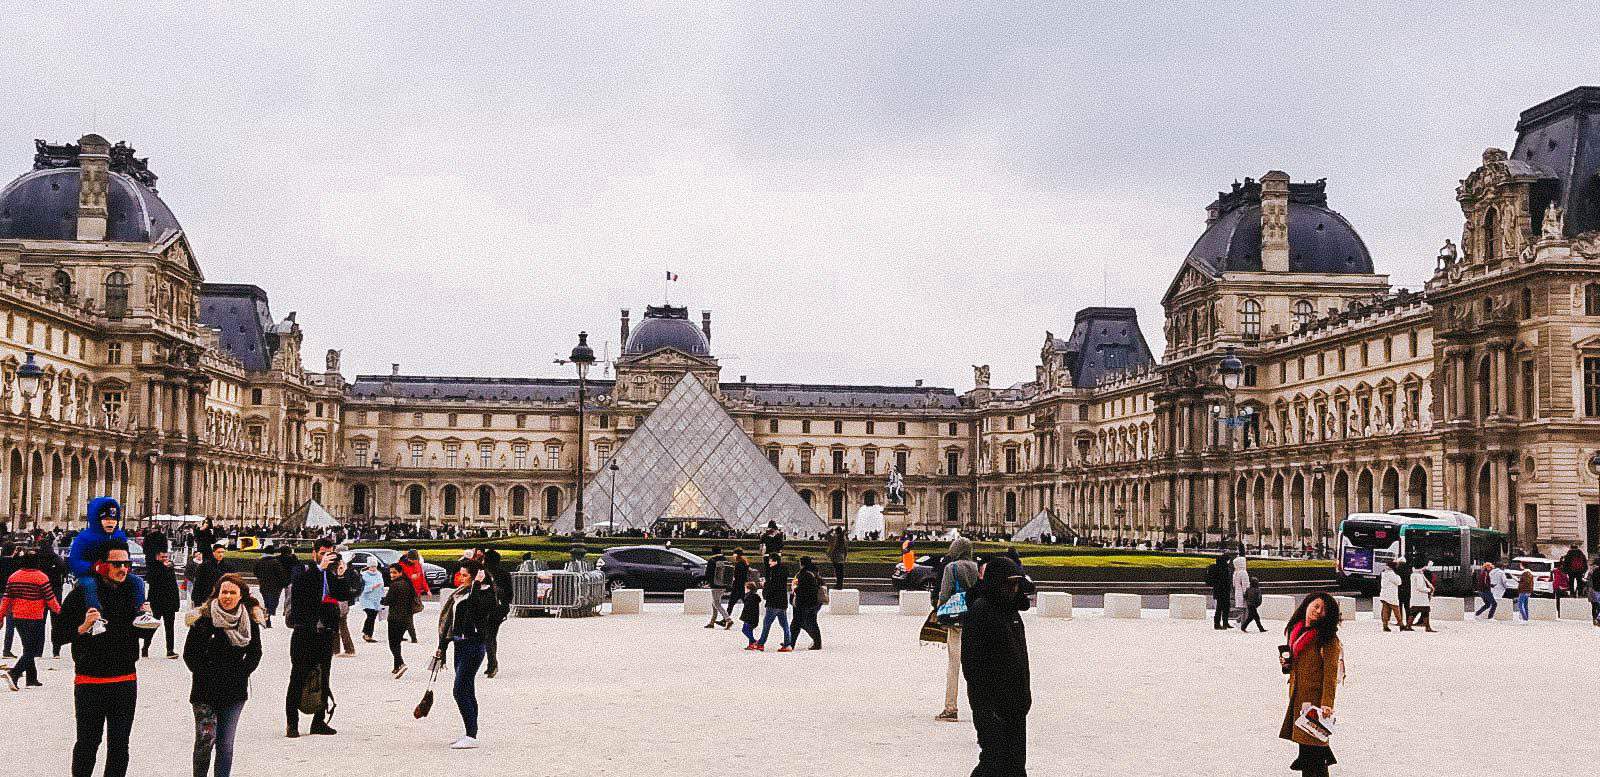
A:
{"x": 1451, "y": 541}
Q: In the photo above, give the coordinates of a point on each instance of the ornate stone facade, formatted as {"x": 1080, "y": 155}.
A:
{"x": 1480, "y": 392}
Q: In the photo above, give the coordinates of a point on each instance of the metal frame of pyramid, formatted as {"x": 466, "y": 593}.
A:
{"x": 1043, "y": 521}
{"x": 690, "y": 460}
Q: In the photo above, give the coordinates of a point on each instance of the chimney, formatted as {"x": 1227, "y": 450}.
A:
{"x": 705, "y": 323}
{"x": 94, "y": 160}
{"x": 1275, "y": 221}
{"x": 919, "y": 383}
{"x": 741, "y": 378}
{"x": 624, "y": 328}
{"x": 394, "y": 370}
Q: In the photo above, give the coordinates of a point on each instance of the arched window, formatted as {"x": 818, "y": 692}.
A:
{"x": 1011, "y": 506}
{"x": 61, "y": 282}
{"x": 316, "y": 486}
{"x": 519, "y": 501}
{"x": 1250, "y": 314}
{"x": 870, "y": 498}
{"x": 552, "y": 501}
{"x": 836, "y": 506}
{"x": 451, "y": 496}
{"x": 1303, "y": 313}
{"x": 952, "y": 507}
{"x": 358, "y": 499}
{"x": 485, "y": 500}
{"x": 1417, "y": 488}
{"x": 1488, "y": 237}
{"x": 116, "y": 295}
{"x": 1195, "y": 332}
{"x": 414, "y": 500}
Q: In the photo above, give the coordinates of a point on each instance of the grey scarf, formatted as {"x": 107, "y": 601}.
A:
{"x": 236, "y": 625}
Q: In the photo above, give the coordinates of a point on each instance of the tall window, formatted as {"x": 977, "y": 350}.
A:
{"x": 1011, "y": 507}
{"x": 1412, "y": 336}
{"x": 358, "y": 449}
{"x": 485, "y": 500}
{"x": 1250, "y": 315}
{"x": 485, "y": 454}
{"x": 773, "y": 452}
{"x": 553, "y": 455}
{"x": 1011, "y": 461}
{"x": 113, "y": 353}
{"x": 255, "y": 396}
{"x": 319, "y": 446}
{"x": 414, "y": 499}
{"x": 902, "y": 461}
{"x": 1591, "y": 386}
{"x": 116, "y": 295}
{"x": 805, "y": 460}
{"x": 953, "y": 428}
{"x": 900, "y": 427}
{"x": 450, "y": 420}
{"x": 838, "y": 460}
{"x": 772, "y": 425}
{"x": 869, "y": 460}
{"x": 416, "y": 453}
{"x": 519, "y": 501}
{"x": 61, "y": 283}
{"x": 1011, "y": 423}
{"x": 1525, "y": 379}
{"x": 488, "y": 420}
{"x": 111, "y": 408}
{"x": 452, "y": 451}
{"x": 1490, "y": 241}
{"x": 1303, "y": 313}
{"x": 519, "y": 454}
{"x": 805, "y": 426}
{"x": 838, "y": 427}
{"x": 952, "y": 463}
{"x": 1591, "y": 299}
{"x": 451, "y": 496}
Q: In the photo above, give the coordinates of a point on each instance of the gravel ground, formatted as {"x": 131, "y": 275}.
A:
{"x": 655, "y": 694}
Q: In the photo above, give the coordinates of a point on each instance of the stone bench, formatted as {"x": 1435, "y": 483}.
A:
{"x": 1576, "y": 609}
{"x": 918, "y": 603}
{"x": 1277, "y": 607}
{"x": 1123, "y": 606}
{"x": 844, "y": 601}
{"x": 1542, "y": 609}
{"x": 1055, "y": 604}
{"x": 1448, "y": 608}
{"x": 697, "y": 601}
{"x": 627, "y": 601}
{"x": 1347, "y": 607}
{"x": 1190, "y": 607}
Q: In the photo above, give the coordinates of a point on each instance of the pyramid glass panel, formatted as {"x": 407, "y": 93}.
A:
{"x": 690, "y": 460}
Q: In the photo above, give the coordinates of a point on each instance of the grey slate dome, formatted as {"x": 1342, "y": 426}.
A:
{"x": 1320, "y": 240}
{"x": 43, "y": 204}
{"x": 666, "y": 326}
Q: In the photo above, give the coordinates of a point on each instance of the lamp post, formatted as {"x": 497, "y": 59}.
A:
{"x": 28, "y": 376}
{"x": 582, "y": 357}
{"x": 1513, "y": 470}
{"x": 1318, "y": 470}
{"x": 1231, "y": 371}
{"x": 613, "y": 518}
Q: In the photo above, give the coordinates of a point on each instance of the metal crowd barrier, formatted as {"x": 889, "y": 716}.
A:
{"x": 566, "y": 594}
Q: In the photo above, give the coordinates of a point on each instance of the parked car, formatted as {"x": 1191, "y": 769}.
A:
{"x": 1542, "y": 569}
{"x": 920, "y": 577}
{"x": 136, "y": 555}
{"x": 651, "y": 567}
{"x": 436, "y": 575}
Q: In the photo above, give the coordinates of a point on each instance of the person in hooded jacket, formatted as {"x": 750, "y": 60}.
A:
{"x": 104, "y": 528}
{"x": 222, "y": 650}
{"x": 1241, "y": 583}
{"x": 807, "y": 603}
{"x": 1220, "y": 578}
{"x": 994, "y": 659}
{"x": 960, "y": 573}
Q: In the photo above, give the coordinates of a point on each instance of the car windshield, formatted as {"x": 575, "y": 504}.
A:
{"x": 687, "y": 556}
{"x": 386, "y": 555}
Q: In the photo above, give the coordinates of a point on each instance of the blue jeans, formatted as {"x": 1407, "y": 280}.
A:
{"x": 773, "y": 614}
{"x": 749, "y": 630}
{"x": 214, "y": 728}
{"x": 1490, "y": 604}
{"x": 32, "y": 634}
{"x": 469, "y": 657}
{"x": 1522, "y": 605}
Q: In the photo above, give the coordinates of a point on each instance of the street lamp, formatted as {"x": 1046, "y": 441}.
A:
{"x": 582, "y": 356}
{"x": 28, "y": 376}
{"x": 1230, "y": 369}
{"x": 1317, "y": 471}
{"x": 1513, "y": 470}
{"x": 613, "y": 518}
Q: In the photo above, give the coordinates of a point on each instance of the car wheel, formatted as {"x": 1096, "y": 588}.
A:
{"x": 614, "y": 583}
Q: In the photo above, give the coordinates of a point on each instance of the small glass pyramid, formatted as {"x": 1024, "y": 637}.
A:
{"x": 690, "y": 461}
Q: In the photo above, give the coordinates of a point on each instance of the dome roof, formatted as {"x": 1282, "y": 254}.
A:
{"x": 1320, "y": 240}
{"x": 666, "y": 327}
{"x": 43, "y": 205}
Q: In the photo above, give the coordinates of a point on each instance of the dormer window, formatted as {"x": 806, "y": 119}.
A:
{"x": 1491, "y": 250}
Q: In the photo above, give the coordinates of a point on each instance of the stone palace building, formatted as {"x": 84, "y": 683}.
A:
{"x": 1479, "y": 392}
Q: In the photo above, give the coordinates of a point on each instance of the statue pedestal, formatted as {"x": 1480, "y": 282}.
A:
{"x": 895, "y": 518}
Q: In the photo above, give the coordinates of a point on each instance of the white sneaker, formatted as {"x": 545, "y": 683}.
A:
{"x": 464, "y": 743}
{"x": 97, "y": 628}
{"x": 145, "y": 620}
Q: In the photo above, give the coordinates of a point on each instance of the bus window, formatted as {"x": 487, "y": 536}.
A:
{"x": 1441, "y": 548}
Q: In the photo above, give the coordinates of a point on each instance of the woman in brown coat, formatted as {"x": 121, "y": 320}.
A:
{"x": 1312, "y": 658}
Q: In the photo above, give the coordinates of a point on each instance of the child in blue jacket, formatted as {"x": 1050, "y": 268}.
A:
{"x": 105, "y": 525}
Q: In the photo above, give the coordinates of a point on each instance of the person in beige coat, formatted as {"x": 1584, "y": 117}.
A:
{"x": 1313, "y": 659}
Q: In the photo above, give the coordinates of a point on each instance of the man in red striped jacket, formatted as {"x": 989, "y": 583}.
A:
{"x": 27, "y": 595}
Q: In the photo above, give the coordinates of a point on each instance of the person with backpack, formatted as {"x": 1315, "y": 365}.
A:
{"x": 807, "y": 604}
{"x": 716, "y": 574}
{"x": 1219, "y": 577}
{"x": 314, "y": 622}
{"x": 1577, "y": 568}
{"x": 994, "y": 660}
{"x": 1252, "y": 606}
{"x": 960, "y": 575}
{"x": 222, "y": 650}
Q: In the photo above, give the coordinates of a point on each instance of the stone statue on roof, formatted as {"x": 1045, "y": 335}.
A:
{"x": 980, "y": 376}
{"x": 1448, "y": 254}
{"x": 1553, "y": 221}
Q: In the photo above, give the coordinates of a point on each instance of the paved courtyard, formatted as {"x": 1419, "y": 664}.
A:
{"x": 655, "y": 694}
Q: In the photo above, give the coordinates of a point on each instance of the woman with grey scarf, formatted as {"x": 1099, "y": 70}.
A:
{"x": 222, "y": 650}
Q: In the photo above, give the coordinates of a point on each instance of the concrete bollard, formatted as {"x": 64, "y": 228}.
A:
{"x": 627, "y": 601}
{"x": 1507, "y": 610}
{"x": 1189, "y": 607}
{"x": 1055, "y": 604}
{"x": 1448, "y": 608}
{"x": 1124, "y": 606}
{"x": 917, "y": 603}
{"x": 1277, "y": 607}
{"x": 1347, "y": 607}
{"x": 1576, "y": 609}
{"x": 1541, "y": 609}
{"x": 697, "y": 601}
{"x": 844, "y": 601}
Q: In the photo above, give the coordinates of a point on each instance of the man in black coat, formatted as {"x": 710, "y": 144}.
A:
{"x": 314, "y": 617}
{"x": 161, "y": 586}
{"x": 994, "y": 660}
{"x": 106, "y": 686}
{"x": 1220, "y": 578}
{"x": 272, "y": 578}
{"x": 206, "y": 577}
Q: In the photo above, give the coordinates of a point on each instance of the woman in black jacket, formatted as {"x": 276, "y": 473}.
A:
{"x": 807, "y": 602}
{"x": 401, "y": 599}
{"x": 464, "y": 621}
{"x": 161, "y": 582}
{"x": 994, "y": 659}
{"x": 222, "y": 650}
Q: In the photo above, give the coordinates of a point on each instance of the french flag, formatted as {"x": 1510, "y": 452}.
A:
{"x": 671, "y": 276}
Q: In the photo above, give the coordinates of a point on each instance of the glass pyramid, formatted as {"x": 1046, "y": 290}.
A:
{"x": 690, "y": 460}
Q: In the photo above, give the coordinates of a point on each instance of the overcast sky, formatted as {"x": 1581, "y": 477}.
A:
{"x": 864, "y": 196}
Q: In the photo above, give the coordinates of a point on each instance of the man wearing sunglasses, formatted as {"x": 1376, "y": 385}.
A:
{"x": 105, "y": 687}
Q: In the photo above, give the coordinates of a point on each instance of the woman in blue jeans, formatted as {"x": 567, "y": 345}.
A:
{"x": 775, "y": 592}
{"x": 222, "y": 650}
{"x": 464, "y": 621}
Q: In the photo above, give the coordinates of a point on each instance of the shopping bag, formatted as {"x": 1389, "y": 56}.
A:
{"x": 932, "y": 630}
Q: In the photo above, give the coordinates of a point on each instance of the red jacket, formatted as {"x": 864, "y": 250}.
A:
{"x": 413, "y": 572}
{"x": 27, "y": 594}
